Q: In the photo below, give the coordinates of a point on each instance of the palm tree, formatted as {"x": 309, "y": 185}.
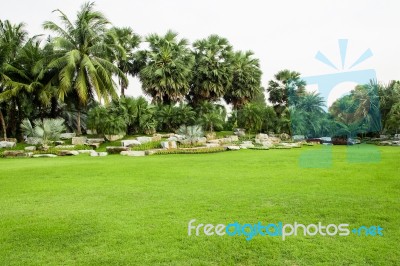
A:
{"x": 250, "y": 117}
{"x": 246, "y": 79}
{"x": 82, "y": 62}
{"x": 285, "y": 89}
{"x": 210, "y": 116}
{"x": 311, "y": 103}
{"x": 389, "y": 96}
{"x": 393, "y": 121}
{"x": 12, "y": 38}
{"x": 167, "y": 69}
{"x": 212, "y": 69}
{"x": 31, "y": 76}
{"x": 123, "y": 42}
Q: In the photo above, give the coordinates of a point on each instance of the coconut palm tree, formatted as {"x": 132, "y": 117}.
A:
{"x": 167, "y": 68}
{"x": 31, "y": 77}
{"x": 246, "y": 79}
{"x": 311, "y": 103}
{"x": 82, "y": 58}
{"x": 12, "y": 38}
{"x": 212, "y": 69}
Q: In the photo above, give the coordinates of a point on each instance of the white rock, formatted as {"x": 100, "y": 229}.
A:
{"x": 7, "y": 144}
{"x": 68, "y": 153}
{"x": 133, "y": 153}
{"x": 245, "y": 146}
{"x": 33, "y": 141}
{"x": 67, "y": 135}
{"x": 96, "y": 154}
{"x": 114, "y": 137}
{"x": 130, "y": 142}
{"x": 168, "y": 145}
{"x": 85, "y": 151}
{"x": 97, "y": 140}
{"x": 267, "y": 144}
{"x": 30, "y": 148}
{"x": 44, "y": 156}
{"x": 233, "y": 148}
{"x": 143, "y": 140}
{"x": 79, "y": 140}
{"x": 262, "y": 136}
{"x": 212, "y": 145}
{"x": 65, "y": 146}
{"x": 172, "y": 139}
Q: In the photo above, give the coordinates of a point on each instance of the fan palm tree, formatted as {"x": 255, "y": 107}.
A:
{"x": 167, "y": 68}
{"x": 212, "y": 68}
{"x": 285, "y": 89}
{"x": 122, "y": 43}
{"x": 246, "y": 79}
{"x": 82, "y": 57}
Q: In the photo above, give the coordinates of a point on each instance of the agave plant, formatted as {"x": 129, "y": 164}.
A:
{"x": 46, "y": 129}
{"x": 192, "y": 133}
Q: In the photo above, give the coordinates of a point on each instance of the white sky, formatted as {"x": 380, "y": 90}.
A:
{"x": 283, "y": 34}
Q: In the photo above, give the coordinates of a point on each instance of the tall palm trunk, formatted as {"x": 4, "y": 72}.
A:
{"x": 124, "y": 86}
{"x": 3, "y": 125}
{"x": 78, "y": 123}
{"x": 78, "y": 118}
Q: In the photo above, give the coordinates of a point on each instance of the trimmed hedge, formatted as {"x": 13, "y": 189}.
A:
{"x": 191, "y": 151}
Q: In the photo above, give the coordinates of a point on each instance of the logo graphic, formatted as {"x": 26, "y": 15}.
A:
{"x": 350, "y": 116}
{"x": 280, "y": 229}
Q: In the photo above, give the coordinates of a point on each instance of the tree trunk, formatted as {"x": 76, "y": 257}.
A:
{"x": 18, "y": 131}
{"x": 54, "y": 105}
{"x": 3, "y": 125}
{"x": 78, "y": 130}
{"x": 123, "y": 87}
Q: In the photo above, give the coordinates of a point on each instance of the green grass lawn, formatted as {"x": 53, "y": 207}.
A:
{"x": 120, "y": 210}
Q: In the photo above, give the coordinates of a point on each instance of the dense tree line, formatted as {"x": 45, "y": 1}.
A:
{"x": 80, "y": 73}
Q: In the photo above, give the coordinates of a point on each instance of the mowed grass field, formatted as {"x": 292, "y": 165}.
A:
{"x": 119, "y": 210}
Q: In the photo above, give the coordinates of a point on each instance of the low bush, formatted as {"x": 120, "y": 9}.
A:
{"x": 147, "y": 146}
{"x": 259, "y": 148}
{"x": 191, "y": 151}
{"x": 185, "y": 146}
{"x": 281, "y": 147}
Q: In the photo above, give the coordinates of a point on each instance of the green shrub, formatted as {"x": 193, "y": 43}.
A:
{"x": 281, "y": 147}
{"x": 191, "y": 151}
{"x": 185, "y": 146}
{"x": 259, "y": 148}
{"x": 147, "y": 146}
